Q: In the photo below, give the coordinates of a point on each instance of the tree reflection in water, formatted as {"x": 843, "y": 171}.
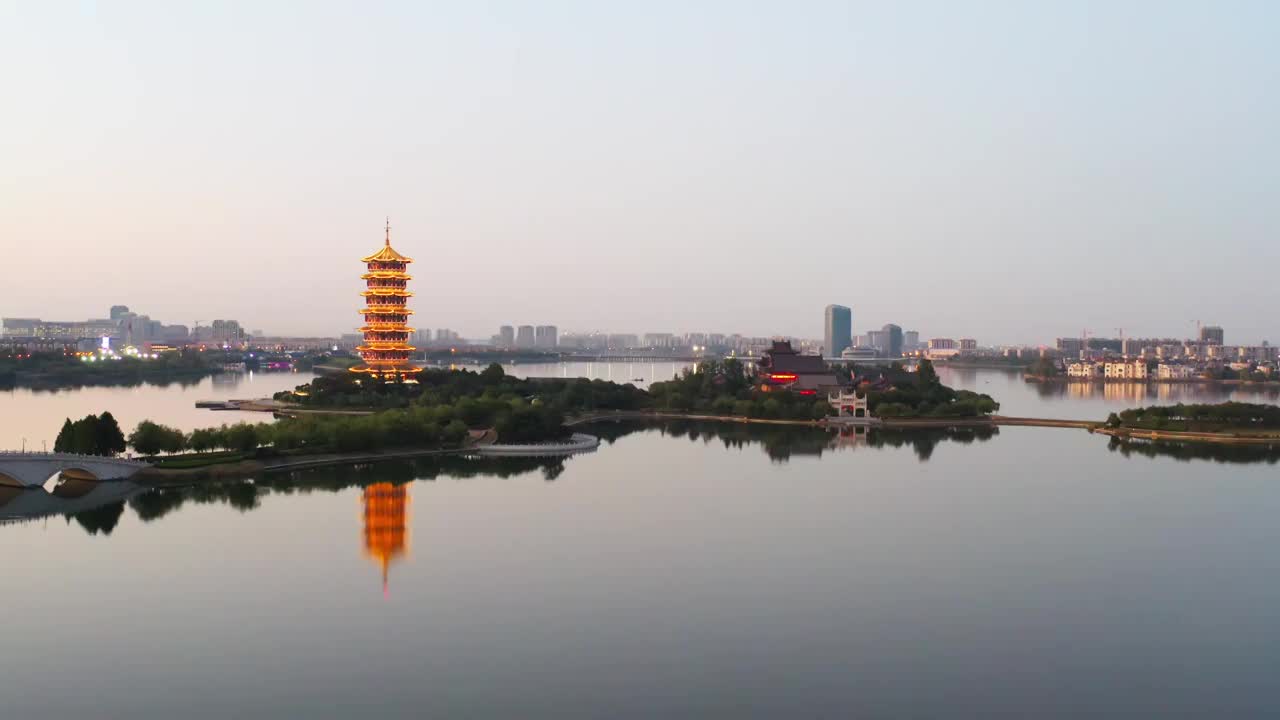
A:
{"x": 779, "y": 442}
{"x": 100, "y": 519}
{"x": 1188, "y": 451}
{"x": 152, "y": 504}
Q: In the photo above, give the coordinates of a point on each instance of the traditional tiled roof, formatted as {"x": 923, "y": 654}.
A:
{"x": 387, "y": 254}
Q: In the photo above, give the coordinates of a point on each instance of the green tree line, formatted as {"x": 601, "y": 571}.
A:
{"x": 1199, "y": 417}
{"x": 91, "y": 435}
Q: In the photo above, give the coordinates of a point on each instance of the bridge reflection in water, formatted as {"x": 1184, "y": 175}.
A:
{"x": 386, "y": 524}
{"x": 72, "y": 495}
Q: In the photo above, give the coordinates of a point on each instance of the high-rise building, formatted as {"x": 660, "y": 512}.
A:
{"x": 1211, "y": 335}
{"x": 119, "y": 311}
{"x": 660, "y": 340}
{"x": 837, "y": 322}
{"x": 506, "y": 336}
{"x": 892, "y": 340}
{"x": 386, "y": 313}
{"x": 877, "y": 340}
{"x": 1070, "y": 347}
{"x": 524, "y": 337}
{"x": 224, "y": 331}
{"x": 544, "y": 337}
{"x": 911, "y": 340}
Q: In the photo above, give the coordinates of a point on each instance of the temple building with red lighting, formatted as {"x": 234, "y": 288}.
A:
{"x": 784, "y": 369}
{"x": 386, "y": 349}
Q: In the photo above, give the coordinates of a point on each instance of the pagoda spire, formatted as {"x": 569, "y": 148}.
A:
{"x": 388, "y": 231}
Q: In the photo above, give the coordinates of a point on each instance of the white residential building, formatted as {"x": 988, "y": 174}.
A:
{"x": 1084, "y": 370}
{"x": 1167, "y": 371}
{"x": 1117, "y": 370}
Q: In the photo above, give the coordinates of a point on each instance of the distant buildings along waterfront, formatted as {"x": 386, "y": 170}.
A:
{"x": 123, "y": 328}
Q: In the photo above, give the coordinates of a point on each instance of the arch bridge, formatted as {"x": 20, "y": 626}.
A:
{"x": 27, "y": 470}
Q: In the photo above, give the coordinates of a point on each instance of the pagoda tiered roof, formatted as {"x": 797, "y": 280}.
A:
{"x": 377, "y": 290}
{"x": 385, "y": 350}
{"x": 386, "y": 275}
{"x": 387, "y": 254}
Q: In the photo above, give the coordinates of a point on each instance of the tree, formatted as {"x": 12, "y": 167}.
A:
{"x": 66, "y": 438}
{"x": 1044, "y": 367}
{"x": 108, "y": 438}
{"x": 242, "y": 437}
{"x": 84, "y": 435}
{"x": 926, "y": 376}
{"x": 455, "y": 431}
{"x": 151, "y": 439}
{"x": 203, "y": 440}
{"x": 493, "y": 375}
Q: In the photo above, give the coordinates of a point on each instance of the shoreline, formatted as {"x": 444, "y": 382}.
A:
{"x": 158, "y": 477}
{"x": 1124, "y": 433}
{"x": 1064, "y": 380}
{"x": 1091, "y": 426}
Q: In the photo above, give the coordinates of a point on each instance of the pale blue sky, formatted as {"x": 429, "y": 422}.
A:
{"x": 1009, "y": 171}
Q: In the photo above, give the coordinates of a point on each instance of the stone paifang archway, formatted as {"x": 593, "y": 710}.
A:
{"x": 30, "y": 470}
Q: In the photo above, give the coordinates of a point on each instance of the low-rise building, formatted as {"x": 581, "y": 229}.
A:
{"x": 1119, "y": 370}
{"x": 1169, "y": 371}
{"x": 1084, "y": 369}
{"x": 784, "y": 369}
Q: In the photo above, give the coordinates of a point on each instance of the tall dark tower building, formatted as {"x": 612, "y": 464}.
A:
{"x": 837, "y": 324}
{"x": 892, "y": 340}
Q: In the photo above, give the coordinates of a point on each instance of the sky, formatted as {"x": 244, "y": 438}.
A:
{"x": 1008, "y": 171}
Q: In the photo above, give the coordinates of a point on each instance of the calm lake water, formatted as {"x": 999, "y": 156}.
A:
{"x": 683, "y": 570}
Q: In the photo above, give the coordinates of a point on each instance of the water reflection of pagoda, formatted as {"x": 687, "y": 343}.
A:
{"x": 386, "y": 512}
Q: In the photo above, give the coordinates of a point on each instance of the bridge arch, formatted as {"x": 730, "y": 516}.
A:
{"x": 39, "y": 469}
{"x": 66, "y": 476}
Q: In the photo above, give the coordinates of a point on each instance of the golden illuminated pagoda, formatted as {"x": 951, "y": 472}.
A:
{"x": 386, "y": 347}
{"x": 386, "y": 512}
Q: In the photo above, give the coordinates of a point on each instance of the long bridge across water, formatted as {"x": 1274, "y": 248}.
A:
{"x": 32, "y": 469}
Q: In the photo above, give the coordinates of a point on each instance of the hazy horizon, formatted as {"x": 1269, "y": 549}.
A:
{"x": 999, "y": 171}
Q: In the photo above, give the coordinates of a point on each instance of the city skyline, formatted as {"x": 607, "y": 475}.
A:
{"x": 1047, "y": 169}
